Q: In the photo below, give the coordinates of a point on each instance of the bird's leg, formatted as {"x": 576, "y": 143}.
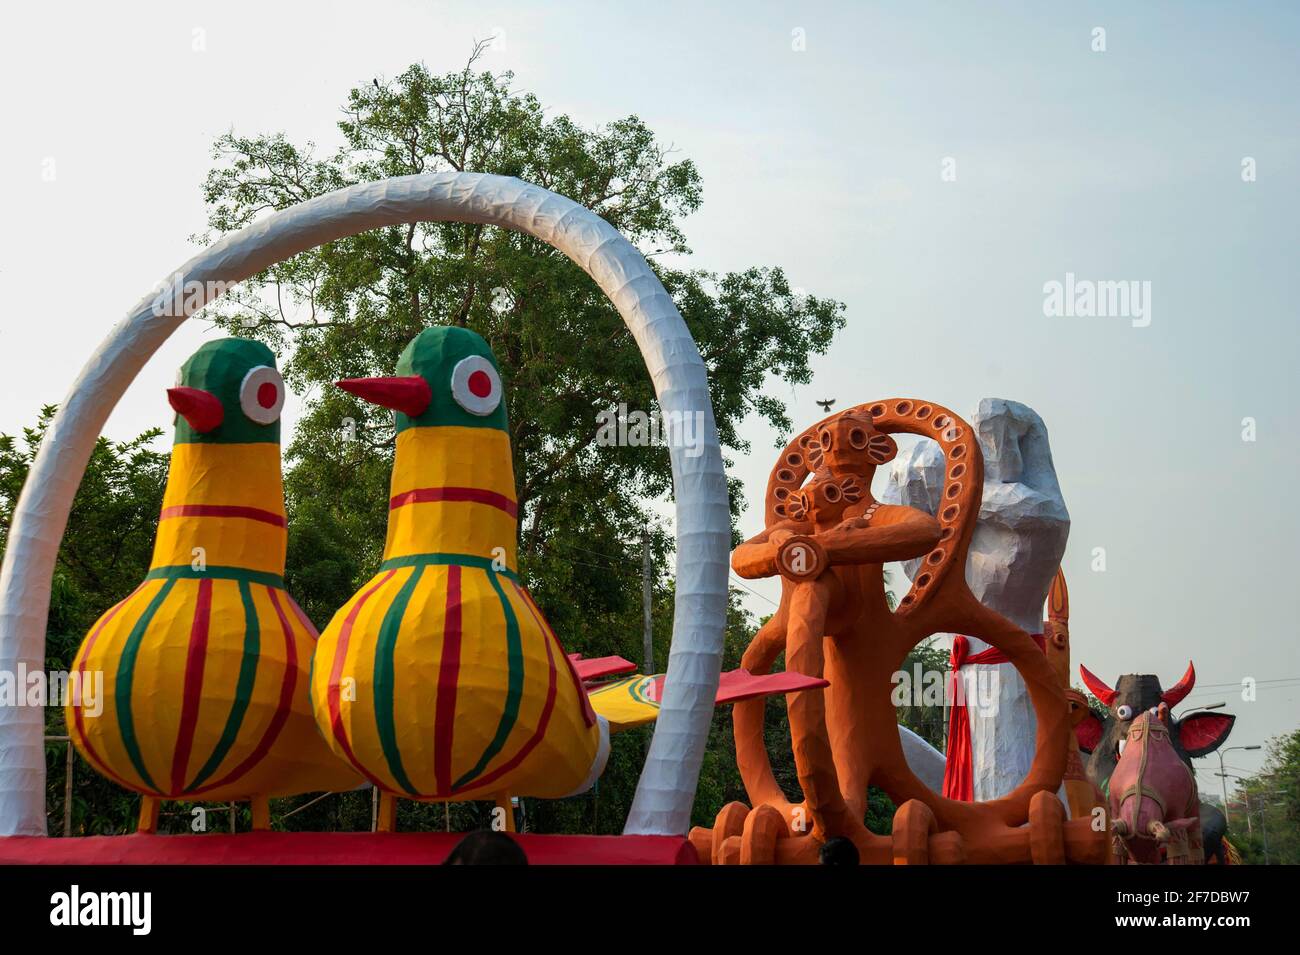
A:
{"x": 508, "y": 809}
{"x": 148, "y": 821}
{"x": 261, "y": 813}
{"x": 387, "y": 812}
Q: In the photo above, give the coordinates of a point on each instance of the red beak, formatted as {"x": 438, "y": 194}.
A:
{"x": 201, "y": 409}
{"x": 410, "y": 395}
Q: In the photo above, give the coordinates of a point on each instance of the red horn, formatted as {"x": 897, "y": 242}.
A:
{"x": 1100, "y": 690}
{"x": 410, "y": 395}
{"x": 1174, "y": 695}
{"x": 201, "y": 409}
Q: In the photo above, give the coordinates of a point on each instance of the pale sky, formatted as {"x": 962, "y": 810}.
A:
{"x": 1125, "y": 164}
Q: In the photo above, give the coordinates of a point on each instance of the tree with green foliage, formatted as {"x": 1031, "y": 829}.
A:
{"x": 1265, "y": 813}
{"x": 348, "y": 308}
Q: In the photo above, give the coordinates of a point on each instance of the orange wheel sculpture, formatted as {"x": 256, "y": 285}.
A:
{"x": 828, "y": 540}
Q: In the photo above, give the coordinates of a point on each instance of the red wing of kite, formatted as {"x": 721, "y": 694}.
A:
{"x": 634, "y": 701}
{"x": 599, "y": 666}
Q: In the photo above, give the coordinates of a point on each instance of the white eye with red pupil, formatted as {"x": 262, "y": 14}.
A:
{"x": 261, "y": 395}
{"x": 476, "y": 386}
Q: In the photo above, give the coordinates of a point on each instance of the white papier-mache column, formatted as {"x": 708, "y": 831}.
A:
{"x": 925, "y": 762}
{"x": 1016, "y": 549}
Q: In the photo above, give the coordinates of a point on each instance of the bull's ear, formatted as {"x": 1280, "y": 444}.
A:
{"x": 1203, "y": 732}
{"x": 1088, "y": 732}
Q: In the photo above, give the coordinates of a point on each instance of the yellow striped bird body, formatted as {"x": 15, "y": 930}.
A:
{"x": 440, "y": 679}
{"x": 205, "y": 664}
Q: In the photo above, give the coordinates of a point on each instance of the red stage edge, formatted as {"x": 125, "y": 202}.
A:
{"x": 331, "y": 848}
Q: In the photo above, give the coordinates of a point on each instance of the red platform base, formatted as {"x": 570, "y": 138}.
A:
{"x": 331, "y": 848}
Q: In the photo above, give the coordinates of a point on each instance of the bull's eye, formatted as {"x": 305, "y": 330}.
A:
{"x": 1124, "y": 711}
{"x": 825, "y": 439}
{"x": 831, "y": 493}
{"x": 858, "y": 438}
{"x": 476, "y": 386}
{"x": 261, "y": 395}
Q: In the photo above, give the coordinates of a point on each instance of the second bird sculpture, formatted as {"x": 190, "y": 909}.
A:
{"x": 440, "y": 680}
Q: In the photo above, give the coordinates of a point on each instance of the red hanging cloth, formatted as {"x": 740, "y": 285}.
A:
{"x": 958, "y": 773}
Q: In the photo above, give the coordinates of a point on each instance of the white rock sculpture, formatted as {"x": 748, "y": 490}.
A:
{"x": 1017, "y": 547}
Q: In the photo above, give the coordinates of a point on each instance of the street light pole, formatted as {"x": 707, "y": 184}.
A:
{"x": 1224, "y": 777}
{"x": 1263, "y": 821}
{"x": 1263, "y": 828}
{"x": 1245, "y": 797}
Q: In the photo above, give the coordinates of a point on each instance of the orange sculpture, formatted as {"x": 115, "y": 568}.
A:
{"x": 1081, "y": 796}
{"x": 827, "y": 537}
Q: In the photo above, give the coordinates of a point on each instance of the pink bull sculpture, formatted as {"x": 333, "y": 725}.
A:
{"x": 1154, "y": 806}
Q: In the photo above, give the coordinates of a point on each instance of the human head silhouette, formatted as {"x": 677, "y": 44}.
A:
{"x": 486, "y": 847}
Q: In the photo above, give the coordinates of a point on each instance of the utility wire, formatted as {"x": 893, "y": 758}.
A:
{"x": 1208, "y": 686}
{"x": 584, "y": 550}
{"x": 611, "y": 566}
{"x": 605, "y": 567}
{"x": 753, "y": 591}
{"x": 625, "y": 560}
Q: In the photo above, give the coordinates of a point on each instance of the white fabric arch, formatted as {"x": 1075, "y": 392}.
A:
{"x": 667, "y": 787}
